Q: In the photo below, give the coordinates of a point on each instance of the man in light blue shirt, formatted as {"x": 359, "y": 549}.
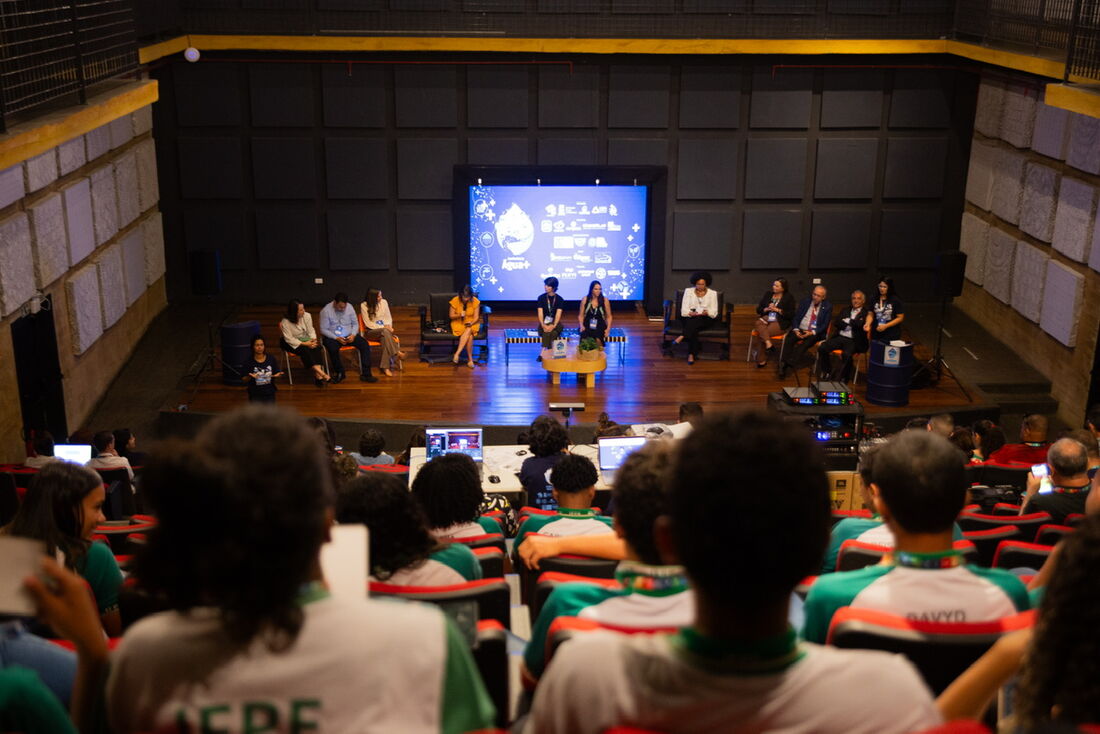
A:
{"x": 340, "y": 328}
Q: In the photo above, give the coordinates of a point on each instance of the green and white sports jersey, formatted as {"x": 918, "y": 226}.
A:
{"x": 932, "y": 587}
{"x": 356, "y": 666}
{"x": 693, "y": 685}
{"x": 865, "y": 530}
{"x": 647, "y": 597}
{"x": 565, "y": 523}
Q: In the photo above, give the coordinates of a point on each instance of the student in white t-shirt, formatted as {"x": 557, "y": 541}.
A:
{"x": 255, "y": 642}
{"x": 740, "y": 666}
{"x": 448, "y": 489}
{"x": 106, "y": 457}
{"x": 402, "y": 550}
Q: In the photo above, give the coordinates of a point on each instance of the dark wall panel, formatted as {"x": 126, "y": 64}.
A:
{"x": 710, "y": 97}
{"x": 218, "y": 229}
{"x": 283, "y": 168}
{"x": 356, "y": 168}
{"x": 910, "y": 238}
{"x": 569, "y": 98}
{"x": 840, "y": 239}
{"x": 210, "y": 168}
{"x": 207, "y": 93}
{"x": 771, "y": 239}
{"x": 637, "y": 97}
{"x": 921, "y": 98}
{"x": 358, "y": 238}
{"x": 281, "y": 95}
{"x": 425, "y": 168}
{"x": 851, "y": 98}
{"x": 782, "y": 99}
{"x": 498, "y": 151}
{"x": 637, "y": 152}
{"x": 702, "y": 240}
{"x": 915, "y": 168}
{"x": 707, "y": 169}
{"x": 355, "y": 97}
{"x": 286, "y": 238}
{"x": 845, "y": 168}
{"x": 424, "y": 239}
{"x": 567, "y": 152}
{"x": 425, "y": 96}
{"x": 496, "y": 96}
{"x": 776, "y": 168}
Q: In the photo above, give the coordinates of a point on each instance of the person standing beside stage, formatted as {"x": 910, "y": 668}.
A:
{"x": 811, "y": 324}
{"x": 889, "y": 313}
{"x": 260, "y": 372}
{"x": 595, "y": 314}
{"x": 340, "y": 328}
{"x": 550, "y": 306}
{"x": 698, "y": 312}
{"x": 850, "y": 337}
{"x": 465, "y": 323}
{"x": 776, "y": 311}
{"x": 299, "y": 337}
{"x": 378, "y": 325}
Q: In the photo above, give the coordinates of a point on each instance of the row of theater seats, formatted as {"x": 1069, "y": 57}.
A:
{"x": 121, "y": 501}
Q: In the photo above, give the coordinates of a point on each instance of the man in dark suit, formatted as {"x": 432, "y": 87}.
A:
{"x": 810, "y": 325}
{"x": 849, "y": 336}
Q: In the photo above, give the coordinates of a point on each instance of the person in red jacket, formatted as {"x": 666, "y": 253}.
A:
{"x": 1033, "y": 445}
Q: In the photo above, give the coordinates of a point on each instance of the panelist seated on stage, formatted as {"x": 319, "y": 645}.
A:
{"x": 850, "y": 329}
{"x": 698, "y": 312}
{"x": 652, "y": 594}
{"x": 594, "y": 316}
{"x": 299, "y": 337}
{"x": 339, "y": 329}
{"x": 919, "y": 487}
{"x": 775, "y": 311}
{"x": 810, "y": 325}
{"x": 1033, "y": 445}
{"x": 402, "y": 549}
{"x": 1066, "y": 490}
{"x": 549, "y": 309}
{"x": 448, "y": 489}
{"x": 574, "y": 480}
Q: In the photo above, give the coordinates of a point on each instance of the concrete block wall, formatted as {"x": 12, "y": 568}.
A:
{"x": 80, "y": 223}
{"x": 1031, "y": 231}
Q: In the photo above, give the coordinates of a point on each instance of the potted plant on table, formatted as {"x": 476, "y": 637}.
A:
{"x": 588, "y": 349}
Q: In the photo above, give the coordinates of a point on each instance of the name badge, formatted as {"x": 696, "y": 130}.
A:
{"x": 548, "y": 320}
{"x": 772, "y": 316}
{"x": 592, "y": 323}
{"x": 338, "y": 330}
{"x": 380, "y": 322}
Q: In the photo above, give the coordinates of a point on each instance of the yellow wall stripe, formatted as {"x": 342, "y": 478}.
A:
{"x": 39, "y": 135}
{"x": 1075, "y": 99}
{"x": 147, "y": 54}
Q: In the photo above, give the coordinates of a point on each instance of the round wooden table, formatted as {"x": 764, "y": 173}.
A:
{"x": 586, "y": 367}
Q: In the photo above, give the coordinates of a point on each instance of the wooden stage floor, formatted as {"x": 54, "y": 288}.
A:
{"x": 648, "y": 387}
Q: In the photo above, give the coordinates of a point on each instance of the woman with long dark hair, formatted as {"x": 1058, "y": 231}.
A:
{"x": 299, "y": 337}
{"x": 465, "y": 312}
{"x": 378, "y": 327}
{"x": 776, "y": 312}
{"x": 61, "y": 509}
{"x": 595, "y": 314}
{"x": 988, "y": 437}
{"x": 888, "y": 312}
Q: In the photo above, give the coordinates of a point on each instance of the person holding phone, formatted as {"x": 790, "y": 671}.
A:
{"x": 465, "y": 313}
{"x": 1061, "y": 486}
{"x": 698, "y": 312}
{"x": 595, "y": 314}
{"x": 550, "y": 306}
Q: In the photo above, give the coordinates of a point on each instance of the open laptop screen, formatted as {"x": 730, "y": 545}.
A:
{"x": 454, "y": 441}
{"x": 75, "y": 453}
{"x": 613, "y": 450}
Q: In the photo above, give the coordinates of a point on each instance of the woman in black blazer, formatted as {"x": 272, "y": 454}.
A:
{"x": 776, "y": 310}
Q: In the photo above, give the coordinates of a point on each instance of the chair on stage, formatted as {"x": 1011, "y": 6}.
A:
{"x": 435, "y": 330}
{"x": 719, "y": 333}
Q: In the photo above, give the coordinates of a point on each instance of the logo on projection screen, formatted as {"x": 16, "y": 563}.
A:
{"x": 515, "y": 230}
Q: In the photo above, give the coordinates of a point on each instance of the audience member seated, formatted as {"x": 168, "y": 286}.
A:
{"x": 1033, "y": 445}
{"x": 126, "y": 444}
{"x": 402, "y": 549}
{"x": 43, "y": 450}
{"x": 1065, "y": 491}
{"x": 919, "y": 487}
{"x": 1049, "y": 660}
{"x": 942, "y": 424}
{"x": 371, "y": 443}
{"x": 962, "y": 438}
{"x": 740, "y": 666}
{"x": 341, "y": 466}
{"x": 988, "y": 437}
{"x": 448, "y": 489}
{"x": 1092, "y": 448}
{"x": 574, "y": 488}
{"x": 106, "y": 457}
{"x": 652, "y": 594}
{"x": 62, "y": 508}
{"x": 299, "y": 337}
{"x": 607, "y": 427}
{"x": 417, "y": 440}
{"x": 920, "y": 423}
{"x": 547, "y": 441}
{"x": 254, "y": 639}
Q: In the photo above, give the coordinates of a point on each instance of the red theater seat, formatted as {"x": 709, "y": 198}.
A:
{"x": 492, "y": 596}
{"x": 1016, "y": 554}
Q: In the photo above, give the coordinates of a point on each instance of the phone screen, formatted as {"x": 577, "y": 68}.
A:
{"x": 1040, "y": 470}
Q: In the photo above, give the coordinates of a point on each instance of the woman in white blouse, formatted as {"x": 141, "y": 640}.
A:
{"x": 378, "y": 327}
{"x": 698, "y": 311}
{"x": 298, "y": 336}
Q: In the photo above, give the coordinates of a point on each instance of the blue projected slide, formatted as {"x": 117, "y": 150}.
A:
{"x": 520, "y": 235}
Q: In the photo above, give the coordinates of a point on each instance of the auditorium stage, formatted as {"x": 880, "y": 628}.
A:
{"x": 647, "y": 387}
